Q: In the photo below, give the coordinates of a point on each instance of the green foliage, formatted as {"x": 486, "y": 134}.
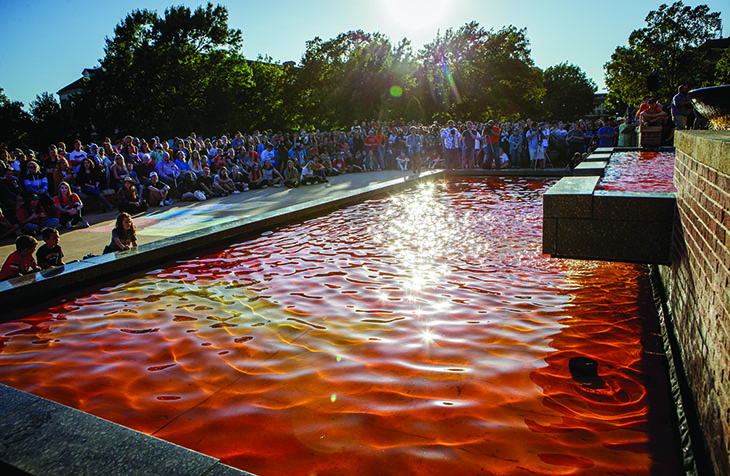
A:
{"x": 350, "y": 77}
{"x": 670, "y": 47}
{"x": 166, "y": 74}
{"x": 722, "y": 75}
{"x": 568, "y": 92}
{"x": 47, "y": 119}
{"x": 478, "y": 73}
{"x": 15, "y": 124}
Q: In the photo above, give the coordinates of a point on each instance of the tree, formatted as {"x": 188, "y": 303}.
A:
{"x": 168, "y": 75}
{"x": 14, "y": 124}
{"x": 568, "y": 92}
{"x": 350, "y": 77}
{"x": 478, "y": 73}
{"x": 46, "y": 114}
{"x": 669, "y": 47}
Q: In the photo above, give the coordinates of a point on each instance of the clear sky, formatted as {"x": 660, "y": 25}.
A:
{"x": 45, "y": 44}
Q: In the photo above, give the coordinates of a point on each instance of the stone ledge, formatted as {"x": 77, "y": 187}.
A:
{"x": 41, "y": 437}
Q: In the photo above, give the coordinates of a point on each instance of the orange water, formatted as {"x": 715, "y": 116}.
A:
{"x": 640, "y": 171}
{"x": 417, "y": 334}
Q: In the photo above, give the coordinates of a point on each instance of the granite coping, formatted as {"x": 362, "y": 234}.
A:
{"x": 598, "y": 157}
{"x": 41, "y": 437}
{"x": 711, "y": 148}
{"x": 597, "y": 167}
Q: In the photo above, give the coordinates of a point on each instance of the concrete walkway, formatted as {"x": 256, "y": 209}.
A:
{"x": 164, "y": 222}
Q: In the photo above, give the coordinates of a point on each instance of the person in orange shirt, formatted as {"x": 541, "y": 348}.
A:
{"x": 21, "y": 260}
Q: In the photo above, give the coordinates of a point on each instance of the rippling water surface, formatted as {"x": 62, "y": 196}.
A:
{"x": 422, "y": 333}
{"x": 640, "y": 171}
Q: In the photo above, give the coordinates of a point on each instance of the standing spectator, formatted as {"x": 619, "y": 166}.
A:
{"x": 681, "y": 108}
{"x": 606, "y": 135}
{"x": 468, "y": 139}
{"x": 515, "y": 146}
{"x": 451, "y": 137}
{"x": 627, "y": 133}
{"x": 491, "y": 136}
{"x": 576, "y": 140}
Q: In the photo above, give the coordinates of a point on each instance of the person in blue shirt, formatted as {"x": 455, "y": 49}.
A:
{"x": 606, "y": 135}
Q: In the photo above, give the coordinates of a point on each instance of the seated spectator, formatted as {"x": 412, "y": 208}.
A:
{"x": 50, "y": 254}
{"x": 32, "y": 217}
{"x": 240, "y": 179}
{"x": 189, "y": 189}
{"x": 168, "y": 172}
{"x": 129, "y": 199}
{"x": 291, "y": 175}
{"x": 158, "y": 191}
{"x": 76, "y": 156}
{"x": 182, "y": 162}
{"x": 224, "y": 182}
{"x": 88, "y": 178}
{"x": 36, "y": 182}
{"x": 272, "y": 176}
{"x": 124, "y": 234}
{"x": 206, "y": 182}
{"x": 144, "y": 170}
{"x": 119, "y": 172}
{"x": 69, "y": 207}
{"x": 339, "y": 163}
{"x": 319, "y": 169}
{"x": 63, "y": 173}
{"x": 402, "y": 160}
{"x": 503, "y": 159}
{"x": 650, "y": 113}
{"x": 20, "y": 261}
{"x": 195, "y": 164}
{"x": 574, "y": 161}
{"x": 11, "y": 194}
{"x": 256, "y": 177}
{"x": 309, "y": 175}
{"x": 6, "y": 227}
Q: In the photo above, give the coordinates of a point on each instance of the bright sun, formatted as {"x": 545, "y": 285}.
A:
{"x": 415, "y": 15}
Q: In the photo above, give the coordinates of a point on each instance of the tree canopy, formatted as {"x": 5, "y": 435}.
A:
{"x": 671, "y": 48}
{"x": 568, "y": 92}
{"x": 165, "y": 73}
{"x": 183, "y": 70}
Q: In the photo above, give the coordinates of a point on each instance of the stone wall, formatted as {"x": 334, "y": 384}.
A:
{"x": 698, "y": 281}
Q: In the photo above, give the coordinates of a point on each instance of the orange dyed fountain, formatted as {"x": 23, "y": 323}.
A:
{"x": 423, "y": 333}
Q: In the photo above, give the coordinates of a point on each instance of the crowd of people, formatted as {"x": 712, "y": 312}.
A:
{"x": 50, "y": 190}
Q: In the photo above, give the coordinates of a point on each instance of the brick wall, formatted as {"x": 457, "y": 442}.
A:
{"x": 698, "y": 281}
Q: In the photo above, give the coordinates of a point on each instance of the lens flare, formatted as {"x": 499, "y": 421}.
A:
{"x": 396, "y": 91}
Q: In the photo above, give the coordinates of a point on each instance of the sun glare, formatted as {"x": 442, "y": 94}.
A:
{"x": 415, "y": 15}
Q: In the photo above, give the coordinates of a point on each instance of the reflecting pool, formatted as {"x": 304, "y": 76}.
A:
{"x": 640, "y": 171}
{"x": 422, "y": 333}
